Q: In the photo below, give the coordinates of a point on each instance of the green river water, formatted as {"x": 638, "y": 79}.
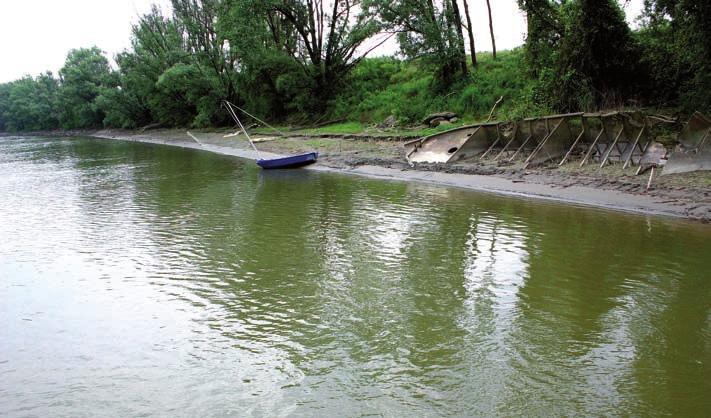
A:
{"x": 145, "y": 280}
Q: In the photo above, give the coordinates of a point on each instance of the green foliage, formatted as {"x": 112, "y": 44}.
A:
{"x": 409, "y": 96}
{"x": 545, "y": 31}
{"x": 121, "y": 109}
{"x": 290, "y": 61}
{"x": 157, "y": 45}
{"x": 5, "y": 89}
{"x": 370, "y": 76}
{"x": 265, "y": 83}
{"x": 676, "y": 41}
{"x": 382, "y": 87}
{"x": 337, "y": 128}
{"x": 596, "y": 64}
{"x": 29, "y": 104}
{"x": 297, "y": 49}
{"x": 661, "y": 61}
{"x": 504, "y": 77}
{"x": 690, "y": 18}
{"x": 85, "y": 72}
{"x": 185, "y": 97}
{"x": 428, "y": 31}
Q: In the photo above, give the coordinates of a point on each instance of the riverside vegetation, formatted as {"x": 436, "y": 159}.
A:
{"x": 306, "y": 61}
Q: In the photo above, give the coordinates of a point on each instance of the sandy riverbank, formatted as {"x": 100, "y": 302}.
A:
{"x": 682, "y": 196}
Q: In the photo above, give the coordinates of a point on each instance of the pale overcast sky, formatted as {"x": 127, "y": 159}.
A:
{"x": 35, "y": 35}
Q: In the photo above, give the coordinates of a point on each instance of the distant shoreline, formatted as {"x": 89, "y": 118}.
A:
{"x": 381, "y": 160}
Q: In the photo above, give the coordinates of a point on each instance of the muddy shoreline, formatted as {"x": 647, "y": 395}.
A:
{"x": 681, "y": 196}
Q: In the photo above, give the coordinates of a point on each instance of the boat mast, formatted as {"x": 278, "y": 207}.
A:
{"x": 232, "y": 113}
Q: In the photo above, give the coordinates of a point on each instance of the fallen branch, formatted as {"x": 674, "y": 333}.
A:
{"x": 151, "y": 126}
{"x": 328, "y": 122}
{"x": 491, "y": 114}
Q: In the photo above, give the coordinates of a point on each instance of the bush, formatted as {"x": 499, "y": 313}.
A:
{"x": 381, "y": 87}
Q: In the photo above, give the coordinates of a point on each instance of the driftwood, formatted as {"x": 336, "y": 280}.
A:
{"x": 493, "y": 109}
{"x": 327, "y": 122}
{"x": 151, "y": 126}
{"x": 317, "y": 124}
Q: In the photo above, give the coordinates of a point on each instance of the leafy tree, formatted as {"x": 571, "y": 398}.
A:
{"x": 121, "y": 108}
{"x": 427, "y": 30}
{"x": 693, "y": 17}
{"x": 545, "y": 30}
{"x": 677, "y": 45}
{"x": 157, "y": 45}
{"x": 211, "y": 57}
{"x": 325, "y": 42}
{"x": 269, "y": 80}
{"x": 4, "y": 104}
{"x": 85, "y": 72}
{"x": 182, "y": 91}
{"x": 30, "y": 104}
{"x": 596, "y": 64}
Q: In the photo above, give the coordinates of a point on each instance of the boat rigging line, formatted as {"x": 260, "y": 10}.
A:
{"x": 255, "y": 118}
{"x": 231, "y": 111}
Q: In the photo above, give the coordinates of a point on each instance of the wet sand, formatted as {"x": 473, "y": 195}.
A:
{"x": 681, "y": 196}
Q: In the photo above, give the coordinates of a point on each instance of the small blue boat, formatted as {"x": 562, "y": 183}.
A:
{"x": 291, "y": 161}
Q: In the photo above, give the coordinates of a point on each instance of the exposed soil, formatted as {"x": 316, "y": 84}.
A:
{"x": 681, "y": 195}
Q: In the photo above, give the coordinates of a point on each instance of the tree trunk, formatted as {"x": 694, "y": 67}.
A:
{"x": 460, "y": 36}
{"x": 470, "y": 31}
{"x": 491, "y": 28}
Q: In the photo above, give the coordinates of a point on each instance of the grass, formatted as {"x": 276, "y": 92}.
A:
{"x": 336, "y": 128}
{"x": 357, "y": 128}
{"x": 381, "y": 87}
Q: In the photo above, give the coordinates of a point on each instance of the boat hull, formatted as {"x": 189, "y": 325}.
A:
{"x": 292, "y": 161}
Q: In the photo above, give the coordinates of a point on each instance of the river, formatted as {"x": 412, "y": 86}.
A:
{"x": 145, "y": 280}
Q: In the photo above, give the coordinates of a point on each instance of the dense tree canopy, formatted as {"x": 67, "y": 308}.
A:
{"x": 596, "y": 65}
{"x": 677, "y": 49}
{"x": 305, "y": 60}
{"x": 85, "y": 73}
{"x": 428, "y": 30}
{"x": 30, "y": 103}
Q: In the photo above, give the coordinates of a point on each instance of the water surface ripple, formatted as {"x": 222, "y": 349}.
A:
{"x": 142, "y": 280}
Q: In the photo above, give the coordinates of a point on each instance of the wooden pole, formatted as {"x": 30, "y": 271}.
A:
{"x": 634, "y": 146}
{"x": 498, "y": 138}
{"x": 409, "y": 154}
{"x": 572, "y": 147}
{"x": 641, "y": 168}
{"x": 703, "y": 140}
{"x": 530, "y": 135}
{"x": 540, "y": 146}
{"x": 255, "y": 118}
{"x": 520, "y": 148}
{"x": 592, "y": 147}
{"x": 506, "y": 146}
{"x": 194, "y": 138}
{"x": 649, "y": 183}
{"x": 609, "y": 148}
{"x": 493, "y": 109}
{"x": 234, "y": 116}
